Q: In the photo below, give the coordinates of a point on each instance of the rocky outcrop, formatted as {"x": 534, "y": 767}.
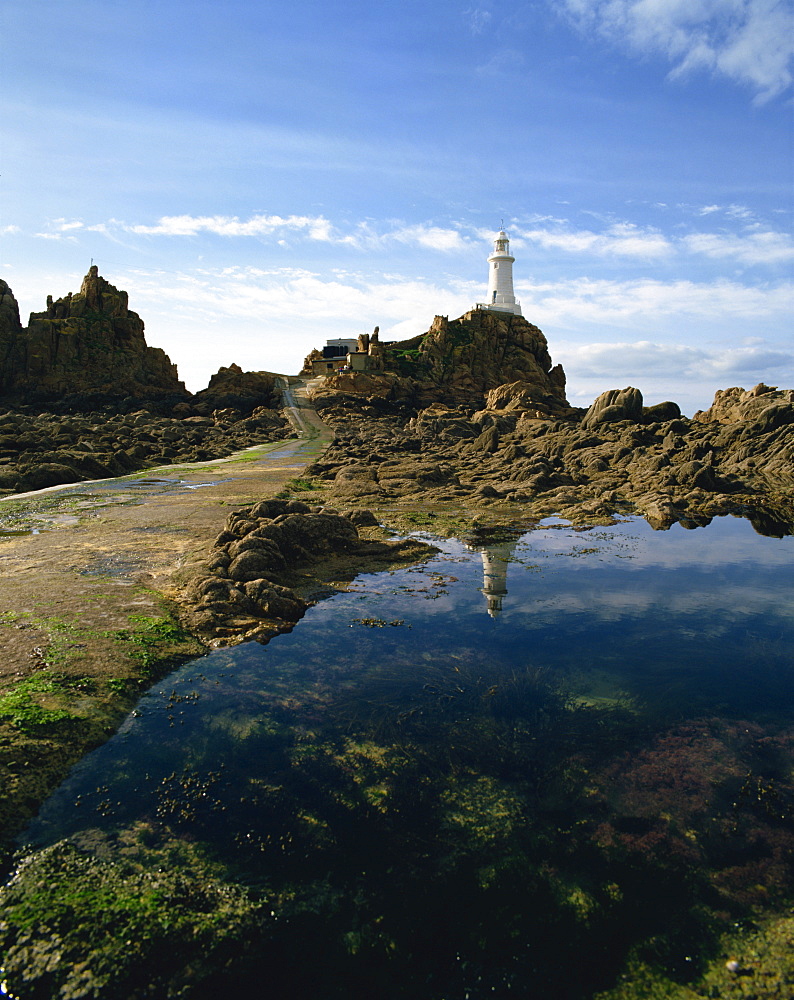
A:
{"x": 233, "y": 388}
{"x": 522, "y": 397}
{"x": 733, "y": 405}
{"x": 10, "y": 334}
{"x": 457, "y": 363}
{"x": 248, "y": 587}
{"x": 85, "y": 344}
{"x": 462, "y": 360}
{"x": 619, "y": 458}
{"x": 614, "y": 405}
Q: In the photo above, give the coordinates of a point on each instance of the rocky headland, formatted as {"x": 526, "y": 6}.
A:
{"x": 82, "y": 396}
{"x": 88, "y": 344}
{"x": 473, "y": 414}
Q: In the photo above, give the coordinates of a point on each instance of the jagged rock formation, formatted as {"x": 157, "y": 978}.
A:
{"x": 764, "y": 403}
{"x": 474, "y": 411}
{"x": 457, "y": 362}
{"x": 116, "y": 405}
{"x": 622, "y": 456}
{"x": 10, "y": 331}
{"x": 86, "y": 344}
{"x": 482, "y": 350}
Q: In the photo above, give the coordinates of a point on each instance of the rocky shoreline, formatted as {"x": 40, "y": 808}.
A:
{"x": 618, "y": 456}
{"x": 38, "y": 450}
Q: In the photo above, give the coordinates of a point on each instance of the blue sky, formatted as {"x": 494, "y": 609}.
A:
{"x": 261, "y": 177}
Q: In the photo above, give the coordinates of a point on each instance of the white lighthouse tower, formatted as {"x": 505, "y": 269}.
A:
{"x": 500, "y": 278}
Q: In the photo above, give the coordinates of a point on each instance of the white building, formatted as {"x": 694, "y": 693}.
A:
{"x": 500, "y": 278}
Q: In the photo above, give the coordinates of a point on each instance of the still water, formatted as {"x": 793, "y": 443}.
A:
{"x": 499, "y": 773}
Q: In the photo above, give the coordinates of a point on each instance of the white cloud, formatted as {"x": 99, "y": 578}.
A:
{"x": 584, "y": 301}
{"x": 433, "y": 237}
{"x": 738, "y": 212}
{"x": 362, "y": 235}
{"x": 752, "y": 248}
{"x": 318, "y": 228}
{"x": 8, "y": 230}
{"x": 749, "y": 41}
{"x": 642, "y": 359}
{"x": 62, "y": 226}
{"x": 619, "y": 240}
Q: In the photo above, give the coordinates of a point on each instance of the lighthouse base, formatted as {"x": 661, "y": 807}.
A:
{"x": 514, "y": 308}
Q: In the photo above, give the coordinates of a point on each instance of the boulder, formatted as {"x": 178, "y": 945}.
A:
{"x": 519, "y": 396}
{"x": 661, "y": 412}
{"x": 737, "y": 404}
{"x": 614, "y": 405}
{"x": 252, "y": 564}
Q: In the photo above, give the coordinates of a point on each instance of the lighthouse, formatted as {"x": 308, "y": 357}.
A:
{"x": 500, "y": 278}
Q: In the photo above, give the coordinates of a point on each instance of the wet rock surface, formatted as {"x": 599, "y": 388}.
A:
{"x": 39, "y": 449}
{"x": 258, "y": 578}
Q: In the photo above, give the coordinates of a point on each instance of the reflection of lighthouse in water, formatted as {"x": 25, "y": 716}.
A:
{"x": 495, "y": 560}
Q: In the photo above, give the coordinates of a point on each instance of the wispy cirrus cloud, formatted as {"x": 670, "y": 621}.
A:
{"x": 362, "y": 235}
{"x": 747, "y": 244}
{"x": 432, "y": 237}
{"x": 749, "y": 41}
{"x": 621, "y": 239}
{"x": 317, "y": 227}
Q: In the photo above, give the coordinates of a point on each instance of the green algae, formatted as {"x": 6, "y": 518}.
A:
{"x": 155, "y": 643}
{"x": 51, "y": 718}
{"x": 23, "y": 706}
{"x": 113, "y": 928}
{"x": 753, "y": 962}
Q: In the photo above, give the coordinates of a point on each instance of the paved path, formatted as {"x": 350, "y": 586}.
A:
{"x": 300, "y": 412}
